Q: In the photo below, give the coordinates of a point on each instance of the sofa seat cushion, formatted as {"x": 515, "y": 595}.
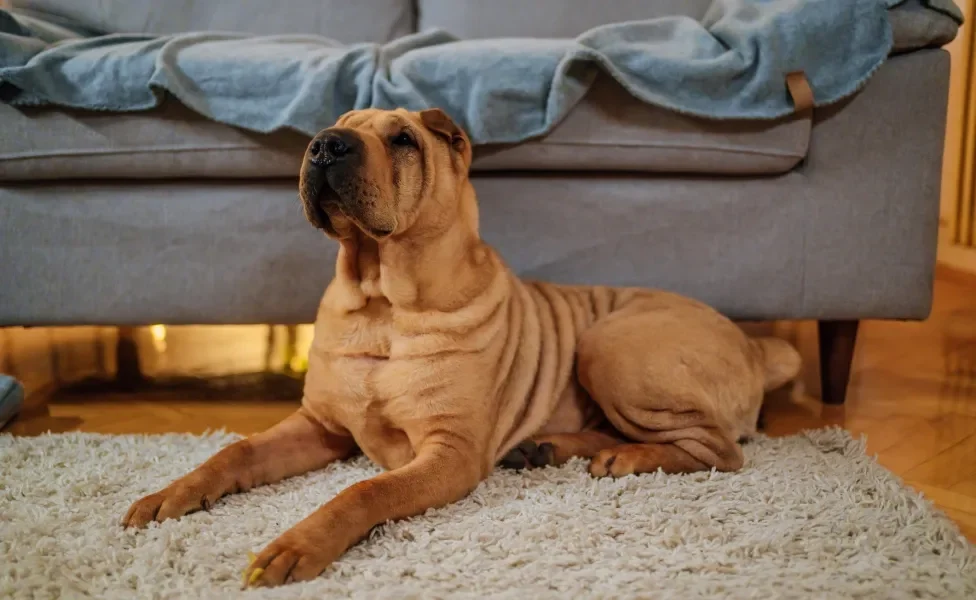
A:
{"x": 342, "y": 20}
{"x": 608, "y": 131}
{"x": 171, "y": 142}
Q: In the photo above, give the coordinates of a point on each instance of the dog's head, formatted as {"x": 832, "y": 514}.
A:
{"x": 384, "y": 172}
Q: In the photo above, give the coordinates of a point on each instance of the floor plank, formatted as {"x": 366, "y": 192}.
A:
{"x": 952, "y": 466}
{"x": 929, "y": 441}
{"x": 947, "y": 499}
{"x": 965, "y": 521}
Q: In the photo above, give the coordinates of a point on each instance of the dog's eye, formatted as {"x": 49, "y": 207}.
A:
{"x": 403, "y": 139}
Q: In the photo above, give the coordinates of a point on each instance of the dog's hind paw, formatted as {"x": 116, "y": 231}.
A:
{"x": 529, "y": 455}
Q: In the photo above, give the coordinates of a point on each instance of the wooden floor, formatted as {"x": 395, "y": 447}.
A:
{"x": 913, "y": 388}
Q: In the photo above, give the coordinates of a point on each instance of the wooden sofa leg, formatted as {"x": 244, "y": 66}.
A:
{"x": 837, "y": 340}
{"x": 129, "y": 373}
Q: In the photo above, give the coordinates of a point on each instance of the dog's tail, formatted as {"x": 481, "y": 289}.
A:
{"x": 780, "y": 361}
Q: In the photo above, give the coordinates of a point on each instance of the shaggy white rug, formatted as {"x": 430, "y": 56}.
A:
{"x": 809, "y": 516}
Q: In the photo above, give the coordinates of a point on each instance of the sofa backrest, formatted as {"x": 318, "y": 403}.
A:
{"x": 360, "y": 20}
{"x": 347, "y": 21}
{"x": 472, "y": 19}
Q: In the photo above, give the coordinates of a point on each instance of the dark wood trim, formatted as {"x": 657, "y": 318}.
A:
{"x": 837, "y": 340}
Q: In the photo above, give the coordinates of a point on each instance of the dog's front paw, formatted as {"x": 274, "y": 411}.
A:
{"x": 290, "y": 558}
{"x": 171, "y": 503}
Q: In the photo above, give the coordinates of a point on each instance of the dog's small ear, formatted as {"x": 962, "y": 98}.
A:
{"x": 441, "y": 124}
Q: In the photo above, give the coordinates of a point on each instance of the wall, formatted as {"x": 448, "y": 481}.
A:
{"x": 957, "y": 174}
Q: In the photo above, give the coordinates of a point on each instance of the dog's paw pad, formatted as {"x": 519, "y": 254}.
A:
{"x": 545, "y": 455}
{"x": 515, "y": 459}
{"x": 528, "y": 455}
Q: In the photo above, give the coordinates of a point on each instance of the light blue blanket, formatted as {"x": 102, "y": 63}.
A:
{"x": 732, "y": 64}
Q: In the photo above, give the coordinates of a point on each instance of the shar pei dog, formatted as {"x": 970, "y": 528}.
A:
{"x": 434, "y": 360}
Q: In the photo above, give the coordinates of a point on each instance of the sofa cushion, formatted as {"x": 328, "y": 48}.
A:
{"x": 171, "y": 142}
{"x": 475, "y": 19}
{"x": 613, "y": 131}
{"x": 913, "y": 25}
{"x": 343, "y": 20}
{"x": 608, "y": 131}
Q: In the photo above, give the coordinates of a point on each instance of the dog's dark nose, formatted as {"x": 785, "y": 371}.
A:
{"x": 330, "y": 146}
{"x": 335, "y": 146}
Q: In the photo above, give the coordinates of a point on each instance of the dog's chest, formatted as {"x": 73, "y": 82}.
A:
{"x": 361, "y": 396}
{"x": 353, "y": 382}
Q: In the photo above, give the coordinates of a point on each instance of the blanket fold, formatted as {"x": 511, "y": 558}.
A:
{"x": 731, "y": 65}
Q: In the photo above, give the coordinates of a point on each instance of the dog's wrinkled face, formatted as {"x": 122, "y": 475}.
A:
{"x": 383, "y": 172}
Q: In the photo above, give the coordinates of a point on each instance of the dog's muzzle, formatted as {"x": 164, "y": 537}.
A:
{"x": 332, "y": 156}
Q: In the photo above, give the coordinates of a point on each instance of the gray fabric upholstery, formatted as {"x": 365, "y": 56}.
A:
{"x": 609, "y": 131}
{"x": 172, "y": 142}
{"x": 849, "y": 234}
{"x": 351, "y": 21}
{"x": 613, "y": 131}
{"x": 348, "y": 21}
{"x": 476, "y": 19}
{"x": 912, "y": 25}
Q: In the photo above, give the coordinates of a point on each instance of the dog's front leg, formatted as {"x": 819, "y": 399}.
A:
{"x": 294, "y": 446}
{"x": 445, "y": 470}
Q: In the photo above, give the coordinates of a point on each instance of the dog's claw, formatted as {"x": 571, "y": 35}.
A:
{"x": 248, "y": 576}
{"x": 251, "y": 578}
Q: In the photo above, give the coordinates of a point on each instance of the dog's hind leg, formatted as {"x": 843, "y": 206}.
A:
{"x": 678, "y": 380}
{"x": 685, "y": 455}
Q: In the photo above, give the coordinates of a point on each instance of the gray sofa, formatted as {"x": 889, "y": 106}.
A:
{"x": 164, "y": 217}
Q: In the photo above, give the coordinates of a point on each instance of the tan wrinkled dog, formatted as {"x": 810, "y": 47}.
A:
{"x": 434, "y": 360}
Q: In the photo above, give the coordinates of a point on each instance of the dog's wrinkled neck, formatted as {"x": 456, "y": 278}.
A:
{"x": 442, "y": 270}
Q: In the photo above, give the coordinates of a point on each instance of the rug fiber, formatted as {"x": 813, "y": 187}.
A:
{"x": 809, "y": 516}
